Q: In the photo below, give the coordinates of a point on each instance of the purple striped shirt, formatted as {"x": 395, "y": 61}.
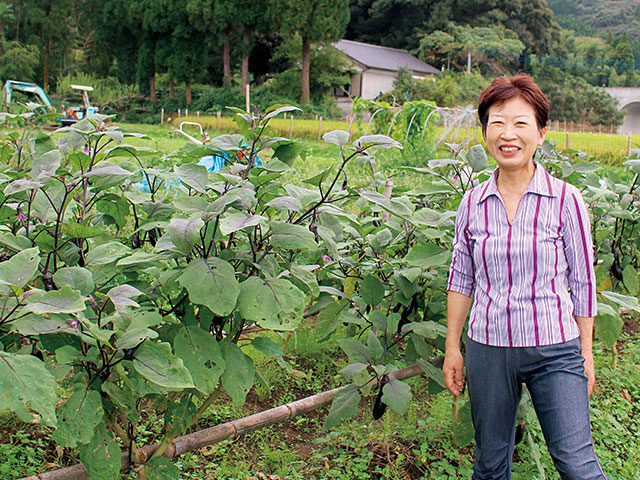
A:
{"x": 528, "y": 279}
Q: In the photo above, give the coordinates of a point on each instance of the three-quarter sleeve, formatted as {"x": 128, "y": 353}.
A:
{"x": 578, "y": 248}
{"x": 461, "y": 271}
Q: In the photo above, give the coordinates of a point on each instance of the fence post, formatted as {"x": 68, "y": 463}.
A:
{"x": 179, "y": 115}
{"x": 320, "y": 129}
{"x": 567, "y": 141}
{"x": 218, "y": 115}
{"x": 629, "y": 145}
{"x": 247, "y": 99}
{"x": 198, "y": 115}
{"x": 291, "y": 127}
{"x": 162, "y": 116}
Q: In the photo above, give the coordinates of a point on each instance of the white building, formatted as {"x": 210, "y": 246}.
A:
{"x": 375, "y": 69}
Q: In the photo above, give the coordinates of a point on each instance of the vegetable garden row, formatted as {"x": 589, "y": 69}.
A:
{"x": 148, "y": 298}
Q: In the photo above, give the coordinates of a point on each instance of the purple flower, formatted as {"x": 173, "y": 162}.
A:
{"x": 74, "y": 323}
{"x": 440, "y": 425}
{"x": 327, "y": 259}
{"x": 86, "y": 149}
{"x": 21, "y": 217}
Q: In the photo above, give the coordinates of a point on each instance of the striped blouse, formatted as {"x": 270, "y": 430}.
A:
{"x": 528, "y": 279}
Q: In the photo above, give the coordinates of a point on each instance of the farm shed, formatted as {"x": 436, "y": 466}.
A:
{"x": 375, "y": 68}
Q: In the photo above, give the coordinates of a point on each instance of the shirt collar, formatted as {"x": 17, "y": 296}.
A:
{"x": 540, "y": 184}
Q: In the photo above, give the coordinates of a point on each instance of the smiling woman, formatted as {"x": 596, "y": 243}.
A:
{"x": 522, "y": 250}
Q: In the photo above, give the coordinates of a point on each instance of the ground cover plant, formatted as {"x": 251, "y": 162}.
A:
{"x": 134, "y": 313}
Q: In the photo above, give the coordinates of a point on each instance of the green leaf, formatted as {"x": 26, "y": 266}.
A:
{"x": 397, "y": 395}
{"x": 139, "y": 261}
{"x": 320, "y": 178}
{"x": 107, "y": 253}
{"x": 134, "y": 336}
{"x": 201, "y": 356}
{"x": 427, "y": 256}
{"x": 374, "y": 346}
{"x": 20, "y": 185}
{"x": 630, "y": 280}
{"x": 184, "y": 233}
{"x": 463, "y": 426}
{"x": 26, "y": 384}
{"x": 432, "y": 372}
{"x": 477, "y": 157}
{"x": 371, "y": 290}
{"x": 284, "y": 204}
{"x": 64, "y": 300}
{"x": 78, "y": 417}
{"x": 116, "y": 207}
{"x": 19, "y": 269}
{"x": 77, "y": 230}
{"x": 395, "y": 205}
{"x": 156, "y": 363}
{"x": 14, "y": 242}
{"x": 101, "y": 457}
{"x": 45, "y": 165}
{"x": 330, "y": 317}
{"x": 356, "y": 351}
{"x": 379, "y": 141}
{"x": 427, "y": 329}
{"x": 291, "y": 237}
{"x": 275, "y": 110}
{"x": 32, "y": 324}
{"x": 212, "y": 283}
{"x": 238, "y": 376}
{"x": 337, "y": 137}
{"x": 608, "y": 329}
{"x": 267, "y": 346}
{"x": 194, "y": 175}
{"x": 306, "y": 278}
{"x": 288, "y": 152}
{"x": 345, "y": 405}
{"x": 77, "y": 278}
{"x": 624, "y": 301}
{"x": 161, "y": 468}
{"x": 351, "y": 370}
{"x": 275, "y": 304}
{"x": 239, "y": 221}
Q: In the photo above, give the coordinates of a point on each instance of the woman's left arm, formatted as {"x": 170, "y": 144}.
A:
{"x": 582, "y": 278}
{"x": 585, "y": 324}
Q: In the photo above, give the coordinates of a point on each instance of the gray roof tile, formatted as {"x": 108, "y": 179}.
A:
{"x": 384, "y": 58}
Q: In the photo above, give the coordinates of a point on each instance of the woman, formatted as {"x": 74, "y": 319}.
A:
{"x": 522, "y": 250}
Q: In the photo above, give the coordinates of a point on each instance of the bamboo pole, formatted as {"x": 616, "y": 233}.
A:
{"x": 235, "y": 428}
{"x": 388, "y": 190}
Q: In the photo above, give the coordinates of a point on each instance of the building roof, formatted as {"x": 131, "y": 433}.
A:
{"x": 384, "y": 58}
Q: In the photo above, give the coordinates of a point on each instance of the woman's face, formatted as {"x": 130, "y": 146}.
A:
{"x": 512, "y": 134}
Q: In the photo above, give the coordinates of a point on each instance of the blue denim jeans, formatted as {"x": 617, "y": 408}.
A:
{"x": 554, "y": 375}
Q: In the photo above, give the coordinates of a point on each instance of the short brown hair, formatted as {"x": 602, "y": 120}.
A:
{"x": 505, "y": 88}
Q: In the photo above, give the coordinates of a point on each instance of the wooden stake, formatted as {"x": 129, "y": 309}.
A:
{"x": 291, "y": 127}
{"x": 218, "y": 115}
{"x": 198, "y": 115}
{"x": 246, "y": 96}
{"x": 566, "y": 145}
{"x": 179, "y": 115}
{"x": 320, "y": 129}
{"x": 162, "y": 116}
{"x": 629, "y": 146}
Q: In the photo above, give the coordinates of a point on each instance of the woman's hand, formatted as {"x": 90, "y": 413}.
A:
{"x": 589, "y": 369}
{"x": 452, "y": 370}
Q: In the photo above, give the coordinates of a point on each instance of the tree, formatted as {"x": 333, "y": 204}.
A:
{"x": 6, "y": 12}
{"x": 492, "y": 47}
{"x": 315, "y": 21}
{"x": 19, "y": 61}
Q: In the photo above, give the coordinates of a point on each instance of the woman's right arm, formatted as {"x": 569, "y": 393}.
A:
{"x": 457, "y": 310}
